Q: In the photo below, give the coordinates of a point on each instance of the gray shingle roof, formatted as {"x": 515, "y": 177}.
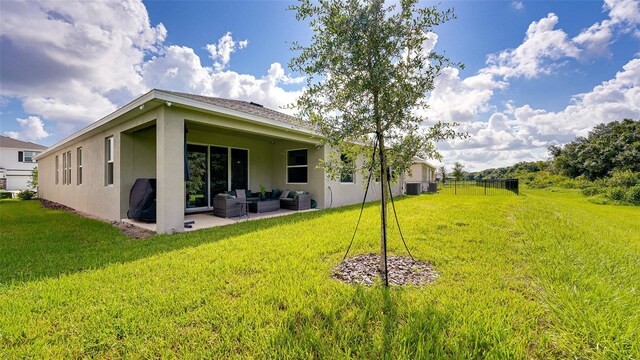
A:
{"x": 7, "y": 142}
{"x": 240, "y": 105}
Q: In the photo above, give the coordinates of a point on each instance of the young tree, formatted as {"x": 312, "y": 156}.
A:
{"x": 443, "y": 174}
{"x": 368, "y": 70}
{"x": 457, "y": 172}
{"x": 33, "y": 181}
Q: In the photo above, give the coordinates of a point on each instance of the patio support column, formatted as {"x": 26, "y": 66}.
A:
{"x": 169, "y": 172}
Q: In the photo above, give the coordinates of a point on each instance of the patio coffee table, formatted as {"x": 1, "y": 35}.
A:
{"x": 264, "y": 206}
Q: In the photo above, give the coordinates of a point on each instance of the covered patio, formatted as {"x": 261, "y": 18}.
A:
{"x": 196, "y": 155}
{"x": 208, "y": 220}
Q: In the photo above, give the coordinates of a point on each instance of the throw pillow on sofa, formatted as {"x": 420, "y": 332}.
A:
{"x": 275, "y": 193}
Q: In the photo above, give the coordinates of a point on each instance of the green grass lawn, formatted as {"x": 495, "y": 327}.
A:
{"x": 533, "y": 276}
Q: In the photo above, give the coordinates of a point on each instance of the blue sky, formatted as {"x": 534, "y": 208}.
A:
{"x": 537, "y": 72}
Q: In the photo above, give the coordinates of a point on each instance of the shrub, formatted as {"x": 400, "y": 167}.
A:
{"x": 27, "y": 195}
{"x": 616, "y": 193}
{"x": 544, "y": 179}
{"x": 624, "y": 179}
{"x": 5, "y": 194}
{"x": 633, "y": 195}
{"x": 591, "y": 191}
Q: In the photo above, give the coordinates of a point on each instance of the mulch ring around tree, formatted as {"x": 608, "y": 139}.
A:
{"x": 129, "y": 230}
{"x": 363, "y": 269}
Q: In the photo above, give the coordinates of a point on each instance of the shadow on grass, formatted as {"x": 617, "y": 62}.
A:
{"x": 374, "y": 322}
{"x": 37, "y": 243}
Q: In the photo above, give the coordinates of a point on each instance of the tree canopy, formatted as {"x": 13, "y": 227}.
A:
{"x": 458, "y": 172}
{"x": 369, "y": 68}
{"x": 607, "y": 148}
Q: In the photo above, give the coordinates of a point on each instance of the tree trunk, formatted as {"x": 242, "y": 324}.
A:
{"x": 383, "y": 213}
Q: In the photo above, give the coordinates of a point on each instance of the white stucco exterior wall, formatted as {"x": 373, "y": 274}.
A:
{"x": 340, "y": 194}
{"x": 93, "y": 196}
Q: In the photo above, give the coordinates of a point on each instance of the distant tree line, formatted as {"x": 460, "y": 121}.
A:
{"x": 507, "y": 172}
{"x": 605, "y": 165}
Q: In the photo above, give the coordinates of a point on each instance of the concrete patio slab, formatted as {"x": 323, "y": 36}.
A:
{"x": 207, "y": 220}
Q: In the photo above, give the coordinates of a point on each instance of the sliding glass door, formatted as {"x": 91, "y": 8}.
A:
{"x": 219, "y": 170}
{"x": 213, "y": 170}
{"x": 196, "y": 186}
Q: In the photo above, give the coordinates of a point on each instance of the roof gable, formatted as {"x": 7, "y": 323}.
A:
{"x": 242, "y": 106}
{"x": 7, "y": 142}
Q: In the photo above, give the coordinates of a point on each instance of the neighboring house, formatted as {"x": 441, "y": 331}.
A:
{"x": 17, "y": 161}
{"x": 234, "y": 144}
{"x": 421, "y": 172}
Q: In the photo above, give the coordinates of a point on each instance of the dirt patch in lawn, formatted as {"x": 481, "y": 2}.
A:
{"x": 130, "y": 230}
{"x": 363, "y": 269}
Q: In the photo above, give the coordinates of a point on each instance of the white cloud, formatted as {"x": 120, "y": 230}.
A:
{"x": 542, "y": 42}
{"x": 221, "y": 54}
{"x": 612, "y": 100}
{"x": 521, "y": 133}
{"x": 180, "y": 69}
{"x": 624, "y": 16}
{"x": 72, "y": 63}
{"x": 32, "y": 130}
{"x": 454, "y": 99}
{"x": 596, "y": 38}
{"x": 623, "y": 11}
{"x": 518, "y": 5}
{"x": 65, "y": 60}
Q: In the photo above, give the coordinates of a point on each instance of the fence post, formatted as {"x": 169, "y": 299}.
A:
{"x": 485, "y": 187}
{"x": 455, "y": 187}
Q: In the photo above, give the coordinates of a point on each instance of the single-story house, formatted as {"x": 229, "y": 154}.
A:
{"x": 17, "y": 161}
{"x": 421, "y": 172}
{"x": 237, "y": 144}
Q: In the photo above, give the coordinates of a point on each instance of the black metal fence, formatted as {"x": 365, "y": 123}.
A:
{"x": 480, "y": 187}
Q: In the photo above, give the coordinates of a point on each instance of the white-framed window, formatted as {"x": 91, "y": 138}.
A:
{"x": 79, "y": 169}
{"x": 297, "y": 166}
{"x": 108, "y": 157}
{"x": 68, "y": 167}
{"x": 64, "y": 168}
{"x": 27, "y": 156}
{"x": 347, "y": 173}
{"x": 57, "y": 170}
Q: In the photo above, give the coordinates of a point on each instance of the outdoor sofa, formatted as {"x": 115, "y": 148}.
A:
{"x": 229, "y": 204}
{"x": 296, "y": 200}
{"x": 226, "y": 206}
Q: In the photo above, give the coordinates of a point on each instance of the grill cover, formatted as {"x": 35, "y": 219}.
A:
{"x": 142, "y": 200}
